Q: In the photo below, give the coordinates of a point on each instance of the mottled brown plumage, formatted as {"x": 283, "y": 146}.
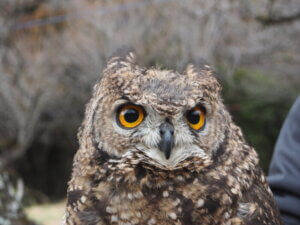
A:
{"x": 120, "y": 176}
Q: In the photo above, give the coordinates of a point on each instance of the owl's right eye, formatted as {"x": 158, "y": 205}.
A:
{"x": 196, "y": 118}
{"x": 130, "y": 115}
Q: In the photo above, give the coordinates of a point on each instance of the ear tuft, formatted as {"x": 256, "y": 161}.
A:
{"x": 123, "y": 57}
{"x": 190, "y": 70}
{"x": 123, "y": 54}
{"x": 131, "y": 58}
{"x": 207, "y": 67}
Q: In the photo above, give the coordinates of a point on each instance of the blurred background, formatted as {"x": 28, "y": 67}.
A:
{"x": 53, "y": 51}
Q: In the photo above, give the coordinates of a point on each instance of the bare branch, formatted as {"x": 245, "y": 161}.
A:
{"x": 276, "y": 20}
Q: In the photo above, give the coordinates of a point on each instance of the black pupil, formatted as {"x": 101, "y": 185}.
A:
{"x": 131, "y": 115}
{"x": 193, "y": 116}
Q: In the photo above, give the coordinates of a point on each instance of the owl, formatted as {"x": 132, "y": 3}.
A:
{"x": 159, "y": 147}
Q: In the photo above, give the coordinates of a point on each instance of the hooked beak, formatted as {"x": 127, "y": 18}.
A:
{"x": 166, "y": 130}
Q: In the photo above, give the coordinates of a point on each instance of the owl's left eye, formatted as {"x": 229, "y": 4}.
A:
{"x": 130, "y": 115}
{"x": 196, "y": 117}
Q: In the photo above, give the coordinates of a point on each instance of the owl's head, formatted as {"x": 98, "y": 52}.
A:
{"x": 166, "y": 115}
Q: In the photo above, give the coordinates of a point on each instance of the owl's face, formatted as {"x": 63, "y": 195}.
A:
{"x": 166, "y": 115}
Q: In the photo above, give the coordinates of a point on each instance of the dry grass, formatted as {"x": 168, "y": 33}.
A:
{"x": 46, "y": 214}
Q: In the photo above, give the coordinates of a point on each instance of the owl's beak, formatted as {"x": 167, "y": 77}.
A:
{"x": 166, "y": 130}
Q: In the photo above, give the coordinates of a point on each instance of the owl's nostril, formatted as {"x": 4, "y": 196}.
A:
{"x": 166, "y": 127}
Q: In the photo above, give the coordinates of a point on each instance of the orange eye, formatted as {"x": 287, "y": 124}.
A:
{"x": 196, "y": 118}
{"x": 130, "y": 116}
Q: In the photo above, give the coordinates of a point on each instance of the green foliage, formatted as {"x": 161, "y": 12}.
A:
{"x": 259, "y": 106}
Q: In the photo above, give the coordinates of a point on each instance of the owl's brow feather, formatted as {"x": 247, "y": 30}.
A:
{"x": 166, "y": 89}
{"x": 124, "y": 97}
